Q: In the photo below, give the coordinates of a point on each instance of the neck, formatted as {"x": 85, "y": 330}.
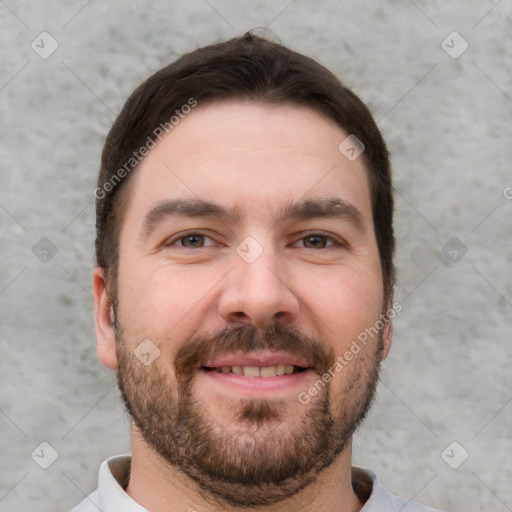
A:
{"x": 155, "y": 485}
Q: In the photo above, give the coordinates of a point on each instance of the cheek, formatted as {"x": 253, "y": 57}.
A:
{"x": 162, "y": 301}
{"x": 345, "y": 302}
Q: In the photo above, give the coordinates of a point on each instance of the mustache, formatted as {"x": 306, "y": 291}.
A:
{"x": 246, "y": 338}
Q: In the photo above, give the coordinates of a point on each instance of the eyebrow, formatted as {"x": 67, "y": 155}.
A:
{"x": 186, "y": 208}
{"x": 302, "y": 210}
{"x": 334, "y": 208}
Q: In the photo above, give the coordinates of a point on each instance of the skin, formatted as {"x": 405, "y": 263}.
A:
{"x": 257, "y": 158}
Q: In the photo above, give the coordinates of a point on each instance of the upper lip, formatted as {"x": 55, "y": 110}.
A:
{"x": 260, "y": 358}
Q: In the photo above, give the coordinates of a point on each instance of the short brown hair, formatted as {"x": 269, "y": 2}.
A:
{"x": 243, "y": 68}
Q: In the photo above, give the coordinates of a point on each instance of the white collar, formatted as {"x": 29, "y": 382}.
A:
{"x": 112, "y": 497}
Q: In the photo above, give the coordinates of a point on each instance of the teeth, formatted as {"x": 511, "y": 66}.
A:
{"x": 251, "y": 371}
{"x": 257, "y": 371}
{"x": 280, "y": 369}
{"x": 268, "y": 371}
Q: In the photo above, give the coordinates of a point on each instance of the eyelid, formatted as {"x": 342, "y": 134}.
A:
{"x": 337, "y": 240}
{"x": 171, "y": 241}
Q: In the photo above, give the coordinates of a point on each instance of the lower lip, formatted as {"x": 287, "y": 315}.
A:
{"x": 257, "y": 386}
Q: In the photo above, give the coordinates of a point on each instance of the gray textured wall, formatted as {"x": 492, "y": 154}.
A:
{"x": 448, "y": 123}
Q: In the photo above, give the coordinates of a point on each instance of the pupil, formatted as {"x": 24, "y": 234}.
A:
{"x": 315, "y": 241}
{"x": 192, "y": 240}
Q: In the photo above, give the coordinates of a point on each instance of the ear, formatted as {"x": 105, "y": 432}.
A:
{"x": 103, "y": 321}
{"x": 387, "y": 338}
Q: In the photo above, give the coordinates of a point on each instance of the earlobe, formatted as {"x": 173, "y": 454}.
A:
{"x": 104, "y": 321}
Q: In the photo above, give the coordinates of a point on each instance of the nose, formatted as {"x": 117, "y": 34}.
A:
{"x": 258, "y": 292}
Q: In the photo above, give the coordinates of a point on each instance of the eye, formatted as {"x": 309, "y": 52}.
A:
{"x": 191, "y": 241}
{"x": 317, "y": 241}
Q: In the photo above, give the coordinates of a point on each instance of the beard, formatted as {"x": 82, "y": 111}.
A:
{"x": 273, "y": 448}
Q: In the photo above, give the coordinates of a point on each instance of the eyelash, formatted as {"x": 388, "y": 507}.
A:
{"x": 310, "y": 234}
{"x": 181, "y": 236}
{"x": 336, "y": 241}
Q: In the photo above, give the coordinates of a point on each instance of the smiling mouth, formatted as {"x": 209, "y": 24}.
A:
{"x": 257, "y": 371}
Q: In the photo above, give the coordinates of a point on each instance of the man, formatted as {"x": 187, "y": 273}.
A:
{"x": 243, "y": 289}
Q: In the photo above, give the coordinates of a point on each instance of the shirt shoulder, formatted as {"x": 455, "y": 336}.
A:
{"x": 111, "y": 495}
{"x": 405, "y": 505}
{"x": 378, "y": 499}
{"x": 89, "y": 504}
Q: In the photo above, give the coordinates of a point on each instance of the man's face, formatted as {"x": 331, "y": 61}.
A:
{"x": 249, "y": 298}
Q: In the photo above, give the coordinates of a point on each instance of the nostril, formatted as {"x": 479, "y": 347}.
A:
{"x": 239, "y": 315}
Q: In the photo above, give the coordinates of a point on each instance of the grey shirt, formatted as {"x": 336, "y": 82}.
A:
{"x": 111, "y": 496}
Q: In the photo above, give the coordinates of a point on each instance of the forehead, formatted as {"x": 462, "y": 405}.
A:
{"x": 251, "y": 157}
